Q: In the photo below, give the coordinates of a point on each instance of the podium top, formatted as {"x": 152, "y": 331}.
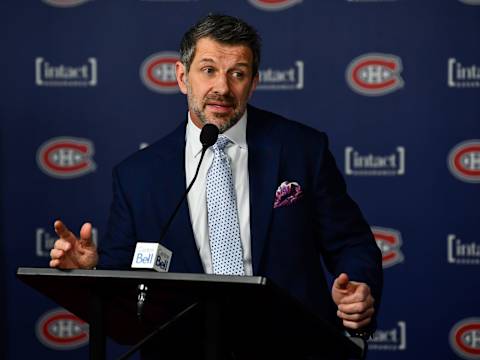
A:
{"x": 27, "y": 272}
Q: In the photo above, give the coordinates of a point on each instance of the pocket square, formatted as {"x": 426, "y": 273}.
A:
{"x": 287, "y": 193}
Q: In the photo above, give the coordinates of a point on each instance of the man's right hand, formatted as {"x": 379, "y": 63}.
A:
{"x": 70, "y": 252}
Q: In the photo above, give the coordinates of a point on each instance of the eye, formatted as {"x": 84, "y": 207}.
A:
{"x": 208, "y": 70}
{"x": 238, "y": 74}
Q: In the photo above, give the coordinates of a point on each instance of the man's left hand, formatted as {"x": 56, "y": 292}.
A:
{"x": 354, "y": 301}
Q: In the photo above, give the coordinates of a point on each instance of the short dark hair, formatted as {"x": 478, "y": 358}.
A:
{"x": 224, "y": 29}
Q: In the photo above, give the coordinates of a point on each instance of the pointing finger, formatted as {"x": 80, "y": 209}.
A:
{"x": 61, "y": 229}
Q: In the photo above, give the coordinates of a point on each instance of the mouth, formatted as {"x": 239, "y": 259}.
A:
{"x": 220, "y": 107}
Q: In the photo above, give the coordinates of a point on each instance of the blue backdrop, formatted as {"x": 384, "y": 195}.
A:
{"x": 394, "y": 83}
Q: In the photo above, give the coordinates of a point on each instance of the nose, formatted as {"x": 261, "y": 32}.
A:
{"x": 221, "y": 86}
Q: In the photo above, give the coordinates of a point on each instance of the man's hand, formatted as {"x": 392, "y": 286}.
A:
{"x": 354, "y": 301}
{"x": 69, "y": 252}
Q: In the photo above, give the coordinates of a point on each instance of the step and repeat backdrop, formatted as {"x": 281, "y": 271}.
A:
{"x": 394, "y": 83}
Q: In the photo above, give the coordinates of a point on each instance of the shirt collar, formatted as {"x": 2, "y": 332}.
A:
{"x": 237, "y": 134}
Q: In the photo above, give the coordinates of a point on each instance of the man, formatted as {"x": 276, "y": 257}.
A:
{"x": 290, "y": 198}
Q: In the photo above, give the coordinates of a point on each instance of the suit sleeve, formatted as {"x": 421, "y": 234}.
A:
{"x": 346, "y": 241}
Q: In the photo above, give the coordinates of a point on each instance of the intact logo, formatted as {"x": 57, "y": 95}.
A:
{"x": 45, "y": 241}
{"x": 389, "y": 241}
{"x": 464, "y": 161}
{"x": 59, "y": 329}
{"x": 65, "y": 3}
{"x": 465, "y": 338}
{"x": 66, "y": 157}
{"x": 357, "y": 164}
{"x": 461, "y": 252}
{"x": 274, "y": 5}
{"x": 375, "y": 74}
{"x": 61, "y": 75}
{"x": 289, "y": 78}
{"x": 394, "y": 339}
{"x": 471, "y": 2}
{"x": 158, "y": 72}
{"x": 463, "y": 76}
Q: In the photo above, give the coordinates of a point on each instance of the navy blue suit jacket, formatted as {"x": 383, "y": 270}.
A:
{"x": 287, "y": 242}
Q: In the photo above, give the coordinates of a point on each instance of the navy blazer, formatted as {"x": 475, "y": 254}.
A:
{"x": 287, "y": 242}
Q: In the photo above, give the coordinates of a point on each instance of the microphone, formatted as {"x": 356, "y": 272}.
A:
{"x": 208, "y": 135}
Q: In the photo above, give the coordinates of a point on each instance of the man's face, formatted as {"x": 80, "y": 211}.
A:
{"x": 218, "y": 84}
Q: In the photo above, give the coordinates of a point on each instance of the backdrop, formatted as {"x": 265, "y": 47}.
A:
{"x": 394, "y": 83}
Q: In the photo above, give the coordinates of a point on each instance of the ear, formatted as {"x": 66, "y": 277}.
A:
{"x": 255, "y": 81}
{"x": 181, "y": 74}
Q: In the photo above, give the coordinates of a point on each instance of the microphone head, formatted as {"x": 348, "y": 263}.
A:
{"x": 208, "y": 135}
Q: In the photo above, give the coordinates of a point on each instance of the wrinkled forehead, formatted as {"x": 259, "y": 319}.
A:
{"x": 208, "y": 49}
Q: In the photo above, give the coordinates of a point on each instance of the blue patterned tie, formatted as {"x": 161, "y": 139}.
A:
{"x": 223, "y": 227}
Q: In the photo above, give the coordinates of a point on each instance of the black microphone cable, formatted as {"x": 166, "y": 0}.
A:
{"x": 208, "y": 137}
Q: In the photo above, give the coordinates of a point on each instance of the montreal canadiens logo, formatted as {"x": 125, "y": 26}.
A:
{"x": 375, "y": 74}
{"x": 66, "y": 157}
{"x": 465, "y": 338}
{"x": 274, "y": 5}
{"x": 389, "y": 241}
{"x": 60, "y": 330}
{"x": 65, "y": 3}
{"x": 158, "y": 72}
{"x": 464, "y": 161}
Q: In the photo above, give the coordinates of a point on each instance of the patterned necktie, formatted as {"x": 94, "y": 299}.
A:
{"x": 223, "y": 227}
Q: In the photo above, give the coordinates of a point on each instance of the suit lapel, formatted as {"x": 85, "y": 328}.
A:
{"x": 263, "y": 165}
{"x": 171, "y": 172}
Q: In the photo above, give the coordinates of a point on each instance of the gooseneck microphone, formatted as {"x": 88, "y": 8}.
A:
{"x": 155, "y": 256}
{"x": 208, "y": 137}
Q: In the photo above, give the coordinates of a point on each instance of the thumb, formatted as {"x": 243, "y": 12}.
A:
{"x": 341, "y": 282}
{"x": 86, "y": 234}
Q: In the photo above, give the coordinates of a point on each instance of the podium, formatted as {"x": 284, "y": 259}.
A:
{"x": 202, "y": 311}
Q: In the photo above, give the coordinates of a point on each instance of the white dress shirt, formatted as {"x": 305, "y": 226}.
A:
{"x": 237, "y": 151}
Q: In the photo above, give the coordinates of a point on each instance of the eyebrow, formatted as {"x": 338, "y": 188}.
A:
{"x": 209, "y": 60}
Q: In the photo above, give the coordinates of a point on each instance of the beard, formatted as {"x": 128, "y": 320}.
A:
{"x": 222, "y": 121}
